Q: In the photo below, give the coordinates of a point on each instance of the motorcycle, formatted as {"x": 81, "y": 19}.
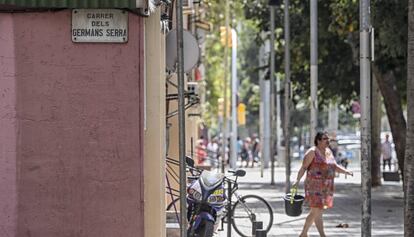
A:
{"x": 206, "y": 202}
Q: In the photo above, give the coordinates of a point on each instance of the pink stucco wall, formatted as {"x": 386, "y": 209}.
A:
{"x": 77, "y": 130}
{"x": 8, "y": 193}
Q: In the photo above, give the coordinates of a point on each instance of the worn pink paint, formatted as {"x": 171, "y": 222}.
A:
{"x": 77, "y": 130}
{"x": 8, "y": 132}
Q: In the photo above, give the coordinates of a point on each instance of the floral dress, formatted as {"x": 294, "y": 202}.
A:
{"x": 319, "y": 183}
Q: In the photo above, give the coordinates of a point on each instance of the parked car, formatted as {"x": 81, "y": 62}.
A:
{"x": 349, "y": 148}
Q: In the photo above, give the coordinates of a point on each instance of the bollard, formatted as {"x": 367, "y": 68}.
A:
{"x": 261, "y": 233}
{"x": 257, "y": 225}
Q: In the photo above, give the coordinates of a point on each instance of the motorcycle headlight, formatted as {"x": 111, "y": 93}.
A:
{"x": 212, "y": 199}
{"x": 215, "y": 199}
{"x": 220, "y": 199}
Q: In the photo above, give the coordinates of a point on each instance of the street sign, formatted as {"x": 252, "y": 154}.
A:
{"x": 99, "y": 26}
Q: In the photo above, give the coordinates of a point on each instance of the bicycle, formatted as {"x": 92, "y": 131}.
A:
{"x": 244, "y": 211}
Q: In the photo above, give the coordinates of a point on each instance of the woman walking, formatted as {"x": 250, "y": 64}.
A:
{"x": 320, "y": 166}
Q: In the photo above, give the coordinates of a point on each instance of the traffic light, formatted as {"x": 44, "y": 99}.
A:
{"x": 225, "y": 35}
{"x": 241, "y": 114}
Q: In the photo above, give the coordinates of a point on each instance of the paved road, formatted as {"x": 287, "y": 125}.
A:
{"x": 387, "y": 205}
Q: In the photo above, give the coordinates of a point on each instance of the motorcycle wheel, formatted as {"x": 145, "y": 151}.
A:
{"x": 206, "y": 230}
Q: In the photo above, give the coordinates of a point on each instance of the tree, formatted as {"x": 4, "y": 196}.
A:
{"x": 375, "y": 134}
{"x": 249, "y": 90}
{"x": 409, "y": 150}
{"x": 339, "y": 52}
{"x": 214, "y": 56}
{"x": 390, "y": 66}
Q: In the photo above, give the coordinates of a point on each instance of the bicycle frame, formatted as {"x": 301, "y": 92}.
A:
{"x": 252, "y": 216}
{"x": 230, "y": 206}
{"x": 231, "y": 184}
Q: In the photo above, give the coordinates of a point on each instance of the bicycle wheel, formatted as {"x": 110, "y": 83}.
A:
{"x": 242, "y": 214}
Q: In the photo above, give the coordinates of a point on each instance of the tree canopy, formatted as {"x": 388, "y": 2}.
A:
{"x": 338, "y": 47}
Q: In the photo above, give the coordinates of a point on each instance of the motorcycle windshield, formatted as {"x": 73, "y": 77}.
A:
{"x": 211, "y": 179}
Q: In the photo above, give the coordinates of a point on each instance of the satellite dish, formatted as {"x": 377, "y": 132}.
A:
{"x": 191, "y": 51}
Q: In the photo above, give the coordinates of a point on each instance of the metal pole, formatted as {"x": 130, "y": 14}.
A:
{"x": 277, "y": 118}
{"x": 272, "y": 92}
{"x": 267, "y": 122}
{"x": 217, "y": 155}
{"x": 261, "y": 233}
{"x": 234, "y": 85}
{"x": 365, "y": 97}
{"x": 226, "y": 63}
{"x": 314, "y": 68}
{"x": 262, "y": 124}
{"x": 265, "y": 101}
{"x": 287, "y": 96}
{"x": 181, "y": 118}
{"x": 192, "y": 147}
{"x": 256, "y": 225}
{"x": 229, "y": 214}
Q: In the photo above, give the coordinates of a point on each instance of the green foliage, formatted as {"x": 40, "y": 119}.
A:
{"x": 338, "y": 22}
{"x": 338, "y": 74}
{"x": 213, "y": 61}
{"x": 247, "y": 60}
{"x": 248, "y": 74}
{"x": 214, "y": 82}
{"x": 390, "y": 21}
{"x": 338, "y": 47}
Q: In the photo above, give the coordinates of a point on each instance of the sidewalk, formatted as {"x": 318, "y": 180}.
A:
{"x": 387, "y": 205}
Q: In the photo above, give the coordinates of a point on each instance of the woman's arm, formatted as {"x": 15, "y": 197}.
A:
{"x": 342, "y": 170}
{"x": 307, "y": 160}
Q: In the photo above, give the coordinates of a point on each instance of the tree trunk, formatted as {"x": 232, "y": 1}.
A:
{"x": 409, "y": 151}
{"x": 375, "y": 135}
{"x": 392, "y": 100}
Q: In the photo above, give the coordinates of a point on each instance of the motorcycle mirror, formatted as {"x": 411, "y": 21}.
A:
{"x": 240, "y": 173}
{"x": 189, "y": 161}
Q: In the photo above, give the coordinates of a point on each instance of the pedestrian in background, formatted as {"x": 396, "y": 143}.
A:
{"x": 320, "y": 167}
{"x": 333, "y": 145}
{"x": 246, "y": 152}
{"x": 201, "y": 152}
{"x": 386, "y": 151}
{"x": 212, "y": 152}
{"x": 255, "y": 148}
{"x": 239, "y": 147}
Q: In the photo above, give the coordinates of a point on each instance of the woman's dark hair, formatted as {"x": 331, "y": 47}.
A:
{"x": 319, "y": 136}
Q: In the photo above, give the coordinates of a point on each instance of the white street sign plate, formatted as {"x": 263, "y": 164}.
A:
{"x": 99, "y": 25}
